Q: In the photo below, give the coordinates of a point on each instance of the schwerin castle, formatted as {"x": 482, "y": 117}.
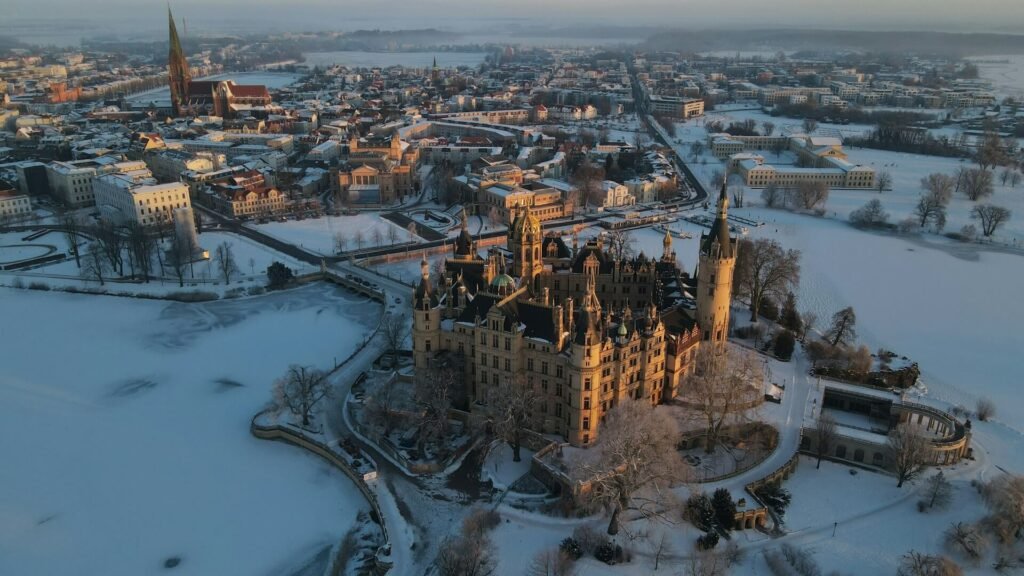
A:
{"x": 579, "y": 327}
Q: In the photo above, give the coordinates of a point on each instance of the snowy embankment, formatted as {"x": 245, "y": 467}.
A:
{"x": 128, "y": 433}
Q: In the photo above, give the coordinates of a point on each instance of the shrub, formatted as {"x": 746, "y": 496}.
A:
{"x": 589, "y": 539}
{"x": 699, "y": 512}
{"x": 605, "y": 553}
{"x": 785, "y": 343}
{"x": 255, "y": 290}
{"x": 985, "y": 408}
{"x": 775, "y": 497}
{"x": 480, "y": 522}
{"x": 39, "y": 286}
{"x": 769, "y": 310}
{"x": 193, "y": 296}
{"x": 708, "y": 541}
{"x": 571, "y": 548}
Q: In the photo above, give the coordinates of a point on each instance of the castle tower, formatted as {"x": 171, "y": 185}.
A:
{"x": 178, "y": 74}
{"x": 524, "y": 241}
{"x": 395, "y": 152}
{"x": 585, "y": 369}
{"x": 714, "y": 276}
{"x": 426, "y": 319}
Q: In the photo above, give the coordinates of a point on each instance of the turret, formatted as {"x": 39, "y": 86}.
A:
{"x": 426, "y": 319}
{"x": 717, "y": 262}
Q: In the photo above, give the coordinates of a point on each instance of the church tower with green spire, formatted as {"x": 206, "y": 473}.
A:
{"x": 177, "y": 69}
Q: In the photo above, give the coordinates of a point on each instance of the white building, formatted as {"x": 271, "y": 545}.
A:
{"x": 616, "y": 194}
{"x": 72, "y": 182}
{"x": 14, "y": 206}
{"x": 125, "y": 198}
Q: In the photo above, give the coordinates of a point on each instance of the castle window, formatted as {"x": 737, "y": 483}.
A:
{"x": 544, "y": 385}
{"x": 558, "y": 409}
{"x": 494, "y": 362}
{"x": 508, "y": 365}
{"x": 543, "y": 367}
{"x": 426, "y": 345}
{"x": 586, "y": 384}
{"x": 558, "y": 389}
{"x": 586, "y": 438}
{"x": 508, "y": 343}
{"x": 483, "y": 359}
{"x": 529, "y": 364}
{"x": 558, "y": 370}
{"x": 586, "y": 422}
{"x": 586, "y": 403}
{"x": 494, "y": 340}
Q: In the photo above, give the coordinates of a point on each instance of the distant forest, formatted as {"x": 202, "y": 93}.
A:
{"x": 944, "y": 43}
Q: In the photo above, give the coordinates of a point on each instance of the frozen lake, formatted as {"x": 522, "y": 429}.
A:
{"x": 363, "y": 59}
{"x": 128, "y": 435}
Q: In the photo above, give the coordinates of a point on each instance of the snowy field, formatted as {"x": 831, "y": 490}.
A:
{"x": 317, "y": 234}
{"x": 127, "y": 427}
{"x": 364, "y": 59}
{"x": 950, "y": 307}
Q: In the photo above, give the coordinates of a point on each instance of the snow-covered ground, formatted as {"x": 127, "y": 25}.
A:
{"x": 953, "y": 309}
{"x": 127, "y": 433}
{"x": 317, "y": 234}
{"x": 1006, "y": 73}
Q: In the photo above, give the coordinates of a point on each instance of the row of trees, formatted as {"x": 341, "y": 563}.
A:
{"x": 809, "y": 196}
{"x": 358, "y": 239}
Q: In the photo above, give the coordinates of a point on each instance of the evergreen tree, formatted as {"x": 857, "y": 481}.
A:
{"x": 725, "y": 508}
{"x": 790, "y": 318}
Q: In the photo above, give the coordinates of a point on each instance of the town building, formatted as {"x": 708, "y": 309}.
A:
{"x": 14, "y": 206}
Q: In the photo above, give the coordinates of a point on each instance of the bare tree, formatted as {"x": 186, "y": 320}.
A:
{"x": 551, "y": 562}
{"x": 810, "y": 125}
{"x": 883, "y": 182}
{"x": 977, "y": 184}
{"x": 1015, "y": 179}
{"x": 433, "y": 395}
{"x": 1004, "y": 497}
{"x": 663, "y": 549}
{"x": 71, "y": 228}
{"x": 991, "y": 217}
{"x": 378, "y": 236}
{"x": 769, "y": 127}
{"x": 931, "y": 207}
{"x": 587, "y": 178}
{"x": 340, "y": 242}
{"x": 620, "y": 244}
{"x": 870, "y": 215}
{"x": 707, "y": 563}
{"x": 464, "y": 556}
{"x": 985, "y": 409}
{"x": 967, "y": 539}
{"x": 395, "y": 328}
{"x": 720, "y": 388}
{"x": 772, "y": 195}
{"x": 179, "y": 256}
{"x": 380, "y": 405}
{"x": 824, "y": 436}
{"x": 811, "y": 195}
{"x": 112, "y": 242}
{"x": 511, "y": 408}
{"x": 919, "y": 564}
{"x": 764, "y": 269}
{"x": 95, "y": 263}
{"x": 909, "y": 451}
{"x": 636, "y": 462}
{"x": 844, "y": 327}
{"x": 779, "y": 146}
{"x": 300, "y": 390}
{"x": 224, "y": 260}
{"x": 359, "y": 239}
{"x": 938, "y": 491}
{"x": 141, "y": 246}
{"x": 942, "y": 185}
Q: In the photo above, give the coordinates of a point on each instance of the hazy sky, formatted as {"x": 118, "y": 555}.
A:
{"x": 104, "y": 16}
